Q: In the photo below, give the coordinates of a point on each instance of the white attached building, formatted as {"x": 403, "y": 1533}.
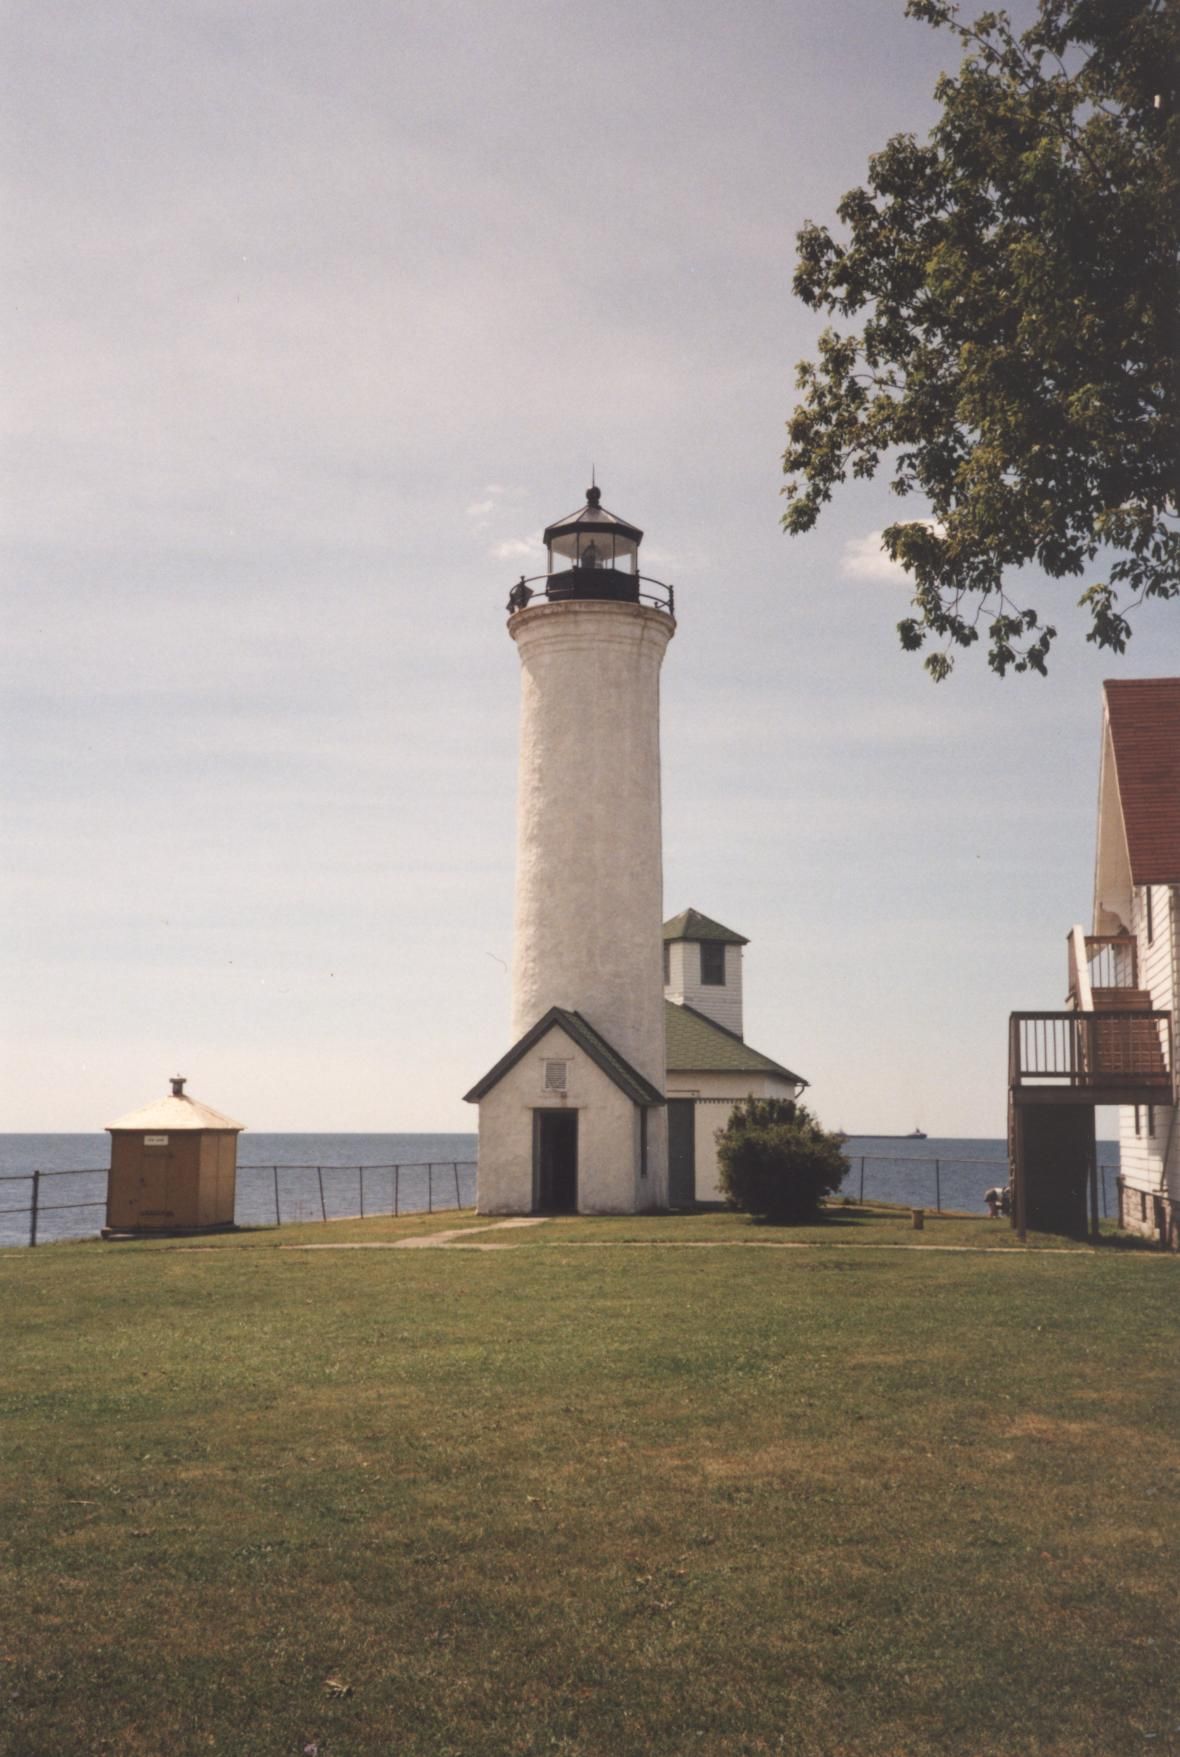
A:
{"x": 585, "y": 1115}
{"x": 710, "y": 1065}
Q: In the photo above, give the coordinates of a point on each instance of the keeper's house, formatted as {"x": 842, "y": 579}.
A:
{"x": 1119, "y": 1041}
{"x": 1137, "y": 916}
{"x": 710, "y": 1065}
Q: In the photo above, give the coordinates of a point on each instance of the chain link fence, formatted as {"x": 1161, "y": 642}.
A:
{"x": 266, "y": 1195}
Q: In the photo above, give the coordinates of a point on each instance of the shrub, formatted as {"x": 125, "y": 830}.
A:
{"x": 776, "y": 1162}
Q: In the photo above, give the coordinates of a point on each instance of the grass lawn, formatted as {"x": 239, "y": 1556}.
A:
{"x": 569, "y": 1495}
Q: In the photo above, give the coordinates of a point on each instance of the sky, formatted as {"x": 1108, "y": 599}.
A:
{"x": 315, "y": 313}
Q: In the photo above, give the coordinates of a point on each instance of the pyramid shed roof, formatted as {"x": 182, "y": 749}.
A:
{"x": 174, "y": 1113}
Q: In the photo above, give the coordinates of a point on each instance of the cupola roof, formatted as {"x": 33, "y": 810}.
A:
{"x": 690, "y": 924}
{"x": 590, "y": 518}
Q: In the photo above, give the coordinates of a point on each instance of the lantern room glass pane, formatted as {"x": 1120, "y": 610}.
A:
{"x": 610, "y": 550}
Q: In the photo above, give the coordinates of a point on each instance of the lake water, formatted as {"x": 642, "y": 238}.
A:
{"x": 946, "y": 1173}
{"x": 414, "y": 1172}
{"x": 419, "y": 1171}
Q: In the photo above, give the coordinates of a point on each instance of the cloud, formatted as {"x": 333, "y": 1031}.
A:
{"x": 489, "y": 510}
{"x": 483, "y": 511}
{"x": 670, "y": 564}
{"x": 865, "y": 558}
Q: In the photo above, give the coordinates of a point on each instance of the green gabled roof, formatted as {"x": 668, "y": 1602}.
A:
{"x": 581, "y": 1032}
{"x": 697, "y": 1045}
{"x": 690, "y": 924}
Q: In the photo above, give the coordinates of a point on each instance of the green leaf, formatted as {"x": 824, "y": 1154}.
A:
{"x": 1016, "y": 280}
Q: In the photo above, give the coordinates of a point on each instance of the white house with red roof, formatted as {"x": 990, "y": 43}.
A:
{"x": 1137, "y": 900}
{"x": 1117, "y": 1042}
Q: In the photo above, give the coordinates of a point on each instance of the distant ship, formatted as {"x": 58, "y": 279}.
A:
{"x": 914, "y": 1135}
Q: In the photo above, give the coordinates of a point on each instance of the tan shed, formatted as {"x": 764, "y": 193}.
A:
{"x": 173, "y": 1168}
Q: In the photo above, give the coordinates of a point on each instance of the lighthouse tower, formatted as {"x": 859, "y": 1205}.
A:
{"x": 572, "y": 1119}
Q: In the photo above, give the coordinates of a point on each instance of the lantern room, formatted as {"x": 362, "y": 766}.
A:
{"x": 173, "y": 1168}
{"x": 593, "y": 553}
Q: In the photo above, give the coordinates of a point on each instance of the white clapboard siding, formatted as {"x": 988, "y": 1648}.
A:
{"x": 720, "y": 1002}
{"x": 1142, "y": 1154}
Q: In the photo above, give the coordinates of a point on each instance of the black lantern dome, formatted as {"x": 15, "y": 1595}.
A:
{"x": 599, "y": 550}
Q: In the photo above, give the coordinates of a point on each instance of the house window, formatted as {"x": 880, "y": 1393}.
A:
{"x": 667, "y": 964}
{"x": 1151, "y": 1119}
{"x": 1138, "y": 1130}
{"x": 713, "y": 963}
{"x": 1142, "y": 1205}
{"x": 556, "y": 1076}
{"x": 1150, "y": 914}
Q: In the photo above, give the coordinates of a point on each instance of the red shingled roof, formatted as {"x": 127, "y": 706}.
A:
{"x": 1145, "y": 732}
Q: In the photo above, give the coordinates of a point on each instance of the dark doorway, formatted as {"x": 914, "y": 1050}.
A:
{"x": 555, "y": 1159}
{"x": 1055, "y": 1148}
{"x": 682, "y": 1183}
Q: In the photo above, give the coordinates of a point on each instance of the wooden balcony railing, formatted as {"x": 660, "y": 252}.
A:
{"x": 1102, "y": 962}
{"x": 1112, "y": 960}
{"x": 1097, "y": 1058}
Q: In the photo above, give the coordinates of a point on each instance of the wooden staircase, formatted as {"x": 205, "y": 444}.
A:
{"x": 1121, "y": 1045}
{"x": 1110, "y": 1047}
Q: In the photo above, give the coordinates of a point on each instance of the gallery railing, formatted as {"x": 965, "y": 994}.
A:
{"x": 595, "y": 584}
{"x": 1113, "y": 960}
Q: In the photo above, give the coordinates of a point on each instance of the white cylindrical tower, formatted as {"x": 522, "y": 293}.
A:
{"x": 589, "y": 877}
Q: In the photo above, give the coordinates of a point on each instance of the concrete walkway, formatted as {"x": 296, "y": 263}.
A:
{"x": 427, "y": 1241}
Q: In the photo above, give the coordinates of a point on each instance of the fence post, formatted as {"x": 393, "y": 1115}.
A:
{"x": 278, "y": 1215}
{"x": 33, "y": 1209}
{"x": 937, "y": 1189}
{"x": 430, "y": 1189}
{"x": 458, "y": 1197}
{"x": 862, "y": 1178}
{"x": 319, "y": 1171}
{"x": 361, "y": 1169}
{"x": 397, "y": 1184}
